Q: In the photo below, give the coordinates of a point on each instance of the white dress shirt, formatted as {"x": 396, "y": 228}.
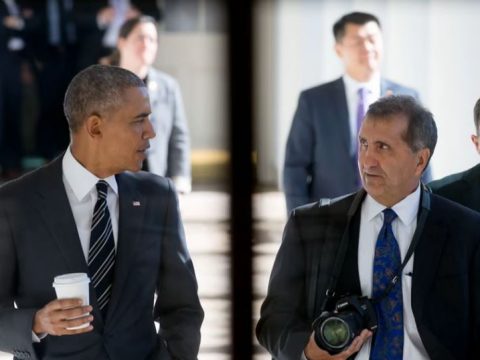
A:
{"x": 80, "y": 185}
{"x": 351, "y": 91}
{"x": 403, "y": 228}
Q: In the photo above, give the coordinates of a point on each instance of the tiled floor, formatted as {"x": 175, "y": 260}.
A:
{"x": 205, "y": 215}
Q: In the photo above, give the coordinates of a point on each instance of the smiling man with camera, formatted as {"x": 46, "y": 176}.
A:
{"x": 391, "y": 272}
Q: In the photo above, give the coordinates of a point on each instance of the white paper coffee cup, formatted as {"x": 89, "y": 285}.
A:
{"x": 73, "y": 286}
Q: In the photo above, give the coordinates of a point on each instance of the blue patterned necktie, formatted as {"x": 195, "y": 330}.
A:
{"x": 101, "y": 254}
{"x": 388, "y": 342}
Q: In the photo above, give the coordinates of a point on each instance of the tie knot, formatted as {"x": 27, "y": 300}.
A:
{"x": 102, "y": 189}
{"x": 388, "y": 216}
{"x": 362, "y": 92}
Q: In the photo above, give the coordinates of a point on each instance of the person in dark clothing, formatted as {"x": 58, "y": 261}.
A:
{"x": 463, "y": 187}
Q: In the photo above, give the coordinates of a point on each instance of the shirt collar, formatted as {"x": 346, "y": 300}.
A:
{"x": 81, "y": 180}
{"x": 406, "y": 209}
{"x": 353, "y": 85}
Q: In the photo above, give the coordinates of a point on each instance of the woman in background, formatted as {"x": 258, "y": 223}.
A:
{"x": 169, "y": 153}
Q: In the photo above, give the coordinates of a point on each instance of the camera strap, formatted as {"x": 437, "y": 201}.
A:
{"x": 424, "y": 209}
{"x": 342, "y": 250}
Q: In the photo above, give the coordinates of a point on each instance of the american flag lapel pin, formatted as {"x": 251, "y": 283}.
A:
{"x": 136, "y": 203}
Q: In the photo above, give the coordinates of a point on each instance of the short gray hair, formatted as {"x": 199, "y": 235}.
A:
{"x": 96, "y": 90}
{"x": 421, "y": 130}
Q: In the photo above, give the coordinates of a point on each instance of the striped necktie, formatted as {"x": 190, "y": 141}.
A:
{"x": 388, "y": 342}
{"x": 101, "y": 255}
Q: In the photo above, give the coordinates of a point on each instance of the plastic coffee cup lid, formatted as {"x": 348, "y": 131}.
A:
{"x": 71, "y": 278}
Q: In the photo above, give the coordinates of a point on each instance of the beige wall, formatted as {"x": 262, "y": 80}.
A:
{"x": 197, "y": 61}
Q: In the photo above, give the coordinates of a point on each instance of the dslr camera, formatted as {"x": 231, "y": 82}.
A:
{"x": 334, "y": 331}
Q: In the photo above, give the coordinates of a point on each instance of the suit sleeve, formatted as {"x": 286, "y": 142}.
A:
{"x": 179, "y": 142}
{"x": 177, "y": 307}
{"x": 15, "y": 324}
{"x": 283, "y": 328}
{"x": 297, "y": 172}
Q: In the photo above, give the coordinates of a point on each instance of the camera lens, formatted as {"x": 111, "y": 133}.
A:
{"x": 335, "y": 332}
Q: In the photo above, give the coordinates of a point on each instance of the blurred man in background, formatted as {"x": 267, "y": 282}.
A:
{"x": 321, "y": 152}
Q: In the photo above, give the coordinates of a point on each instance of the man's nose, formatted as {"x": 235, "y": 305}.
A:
{"x": 367, "y": 44}
{"x": 149, "y": 132}
{"x": 368, "y": 158}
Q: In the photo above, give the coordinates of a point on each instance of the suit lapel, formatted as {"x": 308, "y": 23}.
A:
{"x": 132, "y": 211}
{"x": 55, "y": 211}
{"x": 341, "y": 110}
{"x": 155, "y": 89}
{"x": 352, "y": 253}
{"x": 429, "y": 247}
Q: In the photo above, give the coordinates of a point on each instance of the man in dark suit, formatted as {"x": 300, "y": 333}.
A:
{"x": 330, "y": 251}
{"x": 53, "y": 40}
{"x": 320, "y": 157}
{"x": 463, "y": 187}
{"x": 53, "y": 221}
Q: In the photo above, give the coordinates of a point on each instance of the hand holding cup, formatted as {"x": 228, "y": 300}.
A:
{"x": 70, "y": 313}
{"x": 63, "y": 317}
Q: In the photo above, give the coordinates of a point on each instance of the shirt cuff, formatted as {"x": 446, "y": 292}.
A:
{"x": 37, "y": 338}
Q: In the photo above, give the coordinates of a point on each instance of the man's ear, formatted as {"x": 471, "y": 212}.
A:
{"x": 338, "y": 49}
{"x": 476, "y": 142}
{"x": 120, "y": 43}
{"x": 94, "y": 126}
{"x": 423, "y": 156}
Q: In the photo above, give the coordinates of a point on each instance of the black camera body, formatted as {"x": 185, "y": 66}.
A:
{"x": 334, "y": 331}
